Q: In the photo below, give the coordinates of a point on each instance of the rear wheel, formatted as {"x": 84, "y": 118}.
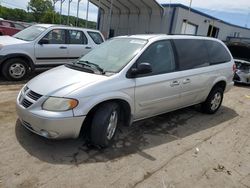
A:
{"x": 104, "y": 124}
{"x": 213, "y": 101}
{"x": 15, "y": 69}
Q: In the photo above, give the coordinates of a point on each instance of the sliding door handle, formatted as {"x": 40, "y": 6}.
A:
{"x": 186, "y": 81}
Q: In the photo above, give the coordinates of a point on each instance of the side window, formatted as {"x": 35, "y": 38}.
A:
{"x": 56, "y": 36}
{"x": 217, "y": 52}
{"x": 160, "y": 56}
{"x": 192, "y": 53}
{"x": 77, "y": 37}
{"x": 96, "y": 37}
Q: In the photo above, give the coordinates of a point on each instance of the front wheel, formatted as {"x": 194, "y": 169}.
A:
{"x": 213, "y": 101}
{"x": 104, "y": 124}
{"x": 15, "y": 69}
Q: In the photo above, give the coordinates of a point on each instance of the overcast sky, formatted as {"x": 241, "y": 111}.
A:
{"x": 233, "y": 11}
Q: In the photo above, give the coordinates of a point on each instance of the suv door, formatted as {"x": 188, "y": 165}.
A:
{"x": 56, "y": 51}
{"x": 196, "y": 75}
{"x": 78, "y": 44}
{"x": 159, "y": 91}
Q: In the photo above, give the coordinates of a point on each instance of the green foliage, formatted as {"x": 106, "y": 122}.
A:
{"x": 40, "y": 14}
{"x": 40, "y": 8}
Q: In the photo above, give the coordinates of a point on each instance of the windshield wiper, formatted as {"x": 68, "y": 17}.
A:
{"x": 91, "y": 65}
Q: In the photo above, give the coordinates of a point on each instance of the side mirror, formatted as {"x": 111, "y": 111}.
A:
{"x": 143, "y": 68}
{"x": 44, "y": 41}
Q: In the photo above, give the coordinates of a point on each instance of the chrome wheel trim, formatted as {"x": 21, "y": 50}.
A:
{"x": 113, "y": 120}
{"x": 215, "y": 102}
{"x": 17, "y": 70}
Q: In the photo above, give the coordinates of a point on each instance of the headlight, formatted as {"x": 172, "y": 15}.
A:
{"x": 59, "y": 104}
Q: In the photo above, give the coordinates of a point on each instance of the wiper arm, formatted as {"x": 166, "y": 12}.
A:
{"x": 89, "y": 64}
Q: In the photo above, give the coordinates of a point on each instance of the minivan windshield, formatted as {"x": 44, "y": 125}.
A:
{"x": 114, "y": 54}
{"x": 30, "y": 33}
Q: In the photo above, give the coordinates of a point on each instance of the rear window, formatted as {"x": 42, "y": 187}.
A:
{"x": 192, "y": 53}
{"x": 96, "y": 37}
{"x": 6, "y": 24}
{"x": 217, "y": 52}
{"x": 77, "y": 37}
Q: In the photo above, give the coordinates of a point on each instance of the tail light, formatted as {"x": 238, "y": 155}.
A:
{"x": 234, "y": 67}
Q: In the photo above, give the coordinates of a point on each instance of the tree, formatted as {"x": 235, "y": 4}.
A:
{"x": 39, "y": 8}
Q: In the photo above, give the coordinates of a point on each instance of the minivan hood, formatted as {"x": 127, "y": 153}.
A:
{"x": 7, "y": 40}
{"x": 61, "y": 81}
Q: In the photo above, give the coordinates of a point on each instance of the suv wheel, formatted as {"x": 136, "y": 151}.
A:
{"x": 213, "y": 101}
{"x": 104, "y": 124}
{"x": 15, "y": 69}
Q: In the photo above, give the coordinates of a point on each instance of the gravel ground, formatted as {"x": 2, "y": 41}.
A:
{"x": 180, "y": 149}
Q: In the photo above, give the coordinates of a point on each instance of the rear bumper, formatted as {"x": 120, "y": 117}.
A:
{"x": 53, "y": 128}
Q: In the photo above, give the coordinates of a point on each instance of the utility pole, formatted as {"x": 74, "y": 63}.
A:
{"x": 0, "y": 6}
{"x": 54, "y": 7}
{"x": 99, "y": 12}
{"x": 77, "y": 13}
{"x": 190, "y": 4}
{"x": 110, "y": 15}
{"x": 62, "y": 1}
{"x": 69, "y": 11}
{"x": 169, "y": 14}
{"x": 247, "y": 20}
{"x": 87, "y": 15}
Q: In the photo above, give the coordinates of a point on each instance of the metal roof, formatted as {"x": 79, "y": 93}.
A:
{"x": 129, "y": 6}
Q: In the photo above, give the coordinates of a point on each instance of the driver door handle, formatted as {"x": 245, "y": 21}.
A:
{"x": 174, "y": 83}
{"x": 63, "y": 47}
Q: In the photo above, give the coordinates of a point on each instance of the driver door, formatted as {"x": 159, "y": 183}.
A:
{"x": 55, "y": 52}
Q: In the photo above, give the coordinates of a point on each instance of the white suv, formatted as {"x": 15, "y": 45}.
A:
{"x": 123, "y": 80}
{"x": 44, "y": 45}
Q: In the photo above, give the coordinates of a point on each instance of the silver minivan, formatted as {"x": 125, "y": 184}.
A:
{"x": 123, "y": 80}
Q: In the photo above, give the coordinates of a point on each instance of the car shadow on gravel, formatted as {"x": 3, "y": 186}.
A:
{"x": 129, "y": 140}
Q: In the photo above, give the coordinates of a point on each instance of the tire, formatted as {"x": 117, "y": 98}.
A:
{"x": 213, "y": 101}
{"x": 15, "y": 69}
{"x": 102, "y": 129}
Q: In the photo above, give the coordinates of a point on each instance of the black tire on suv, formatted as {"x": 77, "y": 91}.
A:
{"x": 104, "y": 124}
{"x": 15, "y": 69}
{"x": 213, "y": 101}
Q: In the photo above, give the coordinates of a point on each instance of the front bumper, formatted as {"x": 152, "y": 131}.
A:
{"x": 242, "y": 77}
{"x": 54, "y": 128}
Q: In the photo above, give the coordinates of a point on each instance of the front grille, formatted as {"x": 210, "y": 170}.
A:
{"x": 25, "y": 103}
{"x": 33, "y": 95}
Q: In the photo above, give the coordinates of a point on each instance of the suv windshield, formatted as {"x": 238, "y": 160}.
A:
{"x": 30, "y": 33}
{"x": 113, "y": 55}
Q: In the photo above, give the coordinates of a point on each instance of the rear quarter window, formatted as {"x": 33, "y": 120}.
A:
{"x": 96, "y": 37}
{"x": 217, "y": 52}
{"x": 192, "y": 53}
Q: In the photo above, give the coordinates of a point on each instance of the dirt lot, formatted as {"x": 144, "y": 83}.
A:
{"x": 179, "y": 149}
